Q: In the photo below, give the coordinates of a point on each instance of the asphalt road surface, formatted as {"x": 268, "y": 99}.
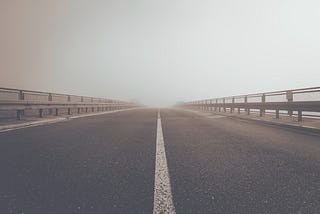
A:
{"x": 107, "y": 164}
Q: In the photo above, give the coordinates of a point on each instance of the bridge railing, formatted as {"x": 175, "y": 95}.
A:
{"x": 23, "y": 101}
{"x": 296, "y": 102}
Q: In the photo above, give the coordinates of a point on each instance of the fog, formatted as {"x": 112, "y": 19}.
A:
{"x": 159, "y": 52}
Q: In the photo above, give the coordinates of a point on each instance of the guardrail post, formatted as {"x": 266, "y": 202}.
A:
{"x": 78, "y": 110}
{"x": 50, "y": 97}
{"x": 299, "y": 116}
{"x": 232, "y": 108}
{"x": 92, "y": 109}
{"x": 246, "y": 101}
{"x": 69, "y": 109}
{"x": 277, "y": 114}
{"x": 41, "y": 113}
{"x": 289, "y": 96}
{"x": 21, "y": 95}
{"x": 57, "y": 112}
{"x": 86, "y": 109}
{"x": 263, "y": 100}
{"x": 261, "y": 112}
{"x": 50, "y": 100}
{"x": 20, "y": 113}
{"x": 215, "y": 108}
{"x": 224, "y": 106}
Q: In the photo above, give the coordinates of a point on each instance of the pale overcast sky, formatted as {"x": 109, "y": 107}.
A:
{"x": 159, "y": 52}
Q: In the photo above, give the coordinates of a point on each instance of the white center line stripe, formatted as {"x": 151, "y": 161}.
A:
{"x": 163, "y": 202}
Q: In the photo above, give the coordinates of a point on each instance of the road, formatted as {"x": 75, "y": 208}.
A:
{"x": 106, "y": 164}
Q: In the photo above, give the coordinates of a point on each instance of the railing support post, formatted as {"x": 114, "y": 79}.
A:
{"x": 50, "y": 100}
{"x": 277, "y": 114}
{"x": 216, "y": 106}
{"x": 57, "y": 112}
{"x": 263, "y": 100}
{"x": 41, "y": 113}
{"x": 246, "y": 101}
{"x": 300, "y": 116}
{"x": 232, "y": 108}
{"x": 69, "y": 111}
{"x": 289, "y": 96}
{"x": 19, "y": 114}
{"x": 261, "y": 112}
{"x": 78, "y": 110}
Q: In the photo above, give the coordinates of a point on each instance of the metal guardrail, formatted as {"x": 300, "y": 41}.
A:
{"x": 22, "y": 100}
{"x": 291, "y": 102}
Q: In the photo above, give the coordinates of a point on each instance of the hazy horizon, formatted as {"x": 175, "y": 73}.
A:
{"x": 159, "y": 52}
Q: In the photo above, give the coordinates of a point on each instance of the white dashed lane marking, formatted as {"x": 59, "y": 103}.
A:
{"x": 163, "y": 202}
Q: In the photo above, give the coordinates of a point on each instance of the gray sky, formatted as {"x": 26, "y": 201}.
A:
{"x": 159, "y": 52}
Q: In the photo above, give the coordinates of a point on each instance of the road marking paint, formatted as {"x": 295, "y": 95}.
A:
{"x": 216, "y": 116}
{"x": 163, "y": 202}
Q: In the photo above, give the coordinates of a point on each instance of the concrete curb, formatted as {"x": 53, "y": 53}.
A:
{"x": 5, "y": 128}
{"x": 310, "y": 129}
{"x": 280, "y": 124}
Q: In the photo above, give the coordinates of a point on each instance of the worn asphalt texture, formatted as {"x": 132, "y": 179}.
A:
{"x": 106, "y": 163}
{"x": 223, "y": 165}
{"x": 99, "y": 164}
